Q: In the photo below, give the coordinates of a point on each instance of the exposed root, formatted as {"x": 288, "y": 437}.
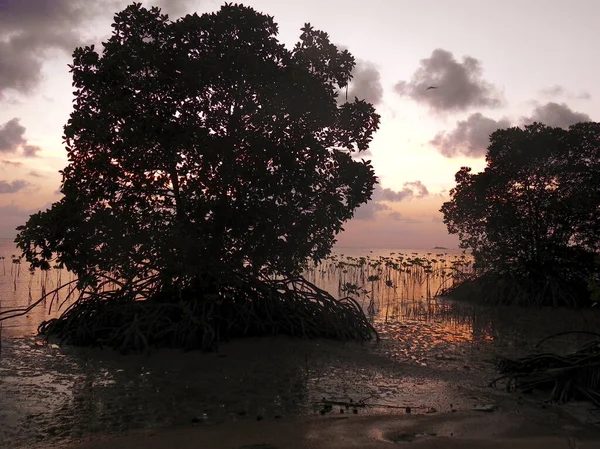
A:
{"x": 566, "y": 377}
{"x": 125, "y": 319}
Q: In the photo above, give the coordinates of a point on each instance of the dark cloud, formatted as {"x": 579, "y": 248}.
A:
{"x": 31, "y": 30}
{"x": 393, "y": 195}
{"x": 555, "y": 114}
{"x": 559, "y": 91}
{"x": 35, "y": 174}
{"x": 31, "y": 150}
{"x": 471, "y": 137}
{"x": 12, "y": 138}
{"x": 365, "y": 84}
{"x": 13, "y": 187}
{"x": 367, "y": 211}
{"x": 410, "y": 190}
{"x": 459, "y": 85}
{"x": 414, "y": 189}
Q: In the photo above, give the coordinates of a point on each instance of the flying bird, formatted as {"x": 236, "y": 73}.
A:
{"x": 431, "y": 87}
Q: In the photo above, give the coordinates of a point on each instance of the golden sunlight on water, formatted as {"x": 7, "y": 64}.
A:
{"x": 398, "y": 289}
{"x": 20, "y": 289}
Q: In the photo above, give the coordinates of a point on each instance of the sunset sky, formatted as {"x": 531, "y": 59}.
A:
{"x": 496, "y": 64}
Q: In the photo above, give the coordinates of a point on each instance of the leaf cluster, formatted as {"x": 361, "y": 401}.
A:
{"x": 535, "y": 209}
{"x": 204, "y": 145}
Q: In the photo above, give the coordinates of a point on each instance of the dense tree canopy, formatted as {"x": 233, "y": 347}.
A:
{"x": 204, "y": 145}
{"x": 534, "y": 212}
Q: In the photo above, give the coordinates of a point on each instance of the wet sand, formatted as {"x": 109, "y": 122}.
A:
{"x": 434, "y": 357}
{"x": 448, "y": 430}
{"x": 269, "y": 391}
{"x": 62, "y": 396}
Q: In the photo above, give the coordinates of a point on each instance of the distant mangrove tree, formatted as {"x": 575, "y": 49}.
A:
{"x": 532, "y": 217}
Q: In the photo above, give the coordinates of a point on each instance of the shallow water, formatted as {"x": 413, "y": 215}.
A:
{"x": 434, "y": 355}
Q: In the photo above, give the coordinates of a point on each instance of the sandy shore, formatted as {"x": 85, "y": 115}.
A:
{"x": 445, "y": 430}
{"x": 100, "y": 400}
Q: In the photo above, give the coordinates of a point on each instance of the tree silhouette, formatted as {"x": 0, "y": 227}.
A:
{"x": 201, "y": 150}
{"x": 532, "y": 216}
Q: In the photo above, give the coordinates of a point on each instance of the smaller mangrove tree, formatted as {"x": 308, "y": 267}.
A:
{"x": 531, "y": 218}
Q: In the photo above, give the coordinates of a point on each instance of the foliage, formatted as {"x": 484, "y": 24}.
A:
{"x": 205, "y": 139}
{"x": 201, "y": 149}
{"x": 532, "y": 217}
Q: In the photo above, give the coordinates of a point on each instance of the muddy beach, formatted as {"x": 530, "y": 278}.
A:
{"x": 65, "y": 396}
{"x": 426, "y": 382}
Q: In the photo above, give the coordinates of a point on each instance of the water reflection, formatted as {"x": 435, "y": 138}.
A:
{"x": 21, "y": 288}
{"x": 69, "y": 392}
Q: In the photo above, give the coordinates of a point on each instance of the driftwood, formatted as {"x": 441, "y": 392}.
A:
{"x": 575, "y": 375}
{"x": 327, "y": 405}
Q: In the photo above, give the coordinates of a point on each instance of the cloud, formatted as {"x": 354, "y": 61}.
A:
{"x": 31, "y": 150}
{"x": 12, "y": 216}
{"x": 410, "y": 190}
{"x": 13, "y": 187}
{"x": 369, "y": 210}
{"x": 418, "y": 188}
{"x": 459, "y": 85}
{"x": 12, "y": 138}
{"x": 393, "y": 195}
{"x": 365, "y": 84}
{"x": 12, "y": 163}
{"x": 553, "y": 91}
{"x": 414, "y": 189}
{"x": 397, "y": 216}
{"x": 556, "y": 115}
{"x": 470, "y": 137}
{"x": 32, "y": 30}
{"x": 560, "y": 91}
{"x": 35, "y": 174}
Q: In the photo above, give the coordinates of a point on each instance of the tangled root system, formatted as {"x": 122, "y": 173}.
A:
{"x": 137, "y": 316}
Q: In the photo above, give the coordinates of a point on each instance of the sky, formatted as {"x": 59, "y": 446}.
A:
{"x": 494, "y": 65}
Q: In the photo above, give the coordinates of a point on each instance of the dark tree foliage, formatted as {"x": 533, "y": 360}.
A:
{"x": 533, "y": 215}
{"x": 202, "y": 151}
{"x": 204, "y": 143}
